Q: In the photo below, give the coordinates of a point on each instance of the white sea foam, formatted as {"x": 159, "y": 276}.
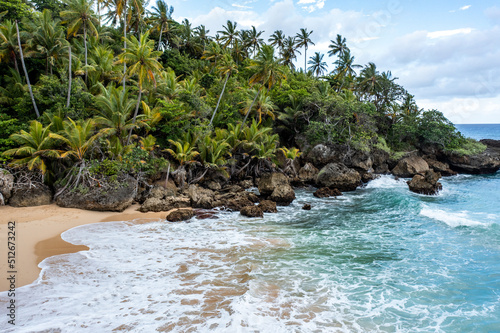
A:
{"x": 386, "y": 181}
{"x": 453, "y": 219}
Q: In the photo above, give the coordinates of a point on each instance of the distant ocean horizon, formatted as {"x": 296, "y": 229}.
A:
{"x": 480, "y": 131}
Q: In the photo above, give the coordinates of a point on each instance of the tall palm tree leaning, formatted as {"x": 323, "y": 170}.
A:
{"x": 143, "y": 61}
{"x": 318, "y": 66}
{"x": 80, "y": 16}
{"x": 227, "y": 67}
{"x": 267, "y": 71}
{"x": 160, "y": 18}
{"x": 303, "y": 39}
{"x": 25, "y": 71}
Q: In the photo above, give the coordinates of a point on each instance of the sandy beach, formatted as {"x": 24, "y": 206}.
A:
{"x": 38, "y": 235}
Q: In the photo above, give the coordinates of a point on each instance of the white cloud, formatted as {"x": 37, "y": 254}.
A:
{"x": 447, "y": 33}
{"x": 315, "y": 5}
{"x": 241, "y": 6}
{"x": 465, "y": 7}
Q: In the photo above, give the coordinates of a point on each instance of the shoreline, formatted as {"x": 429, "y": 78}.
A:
{"x": 38, "y": 235}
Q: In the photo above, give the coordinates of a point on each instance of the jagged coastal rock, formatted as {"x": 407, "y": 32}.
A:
{"x": 410, "y": 166}
{"x": 252, "y": 211}
{"x": 115, "y": 198}
{"x": 326, "y": 192}
{"x": 6, "y": 186}
{"x": 181, "y": 214}
{"x": 337, "y": 175}
{"x": 308, "y": 173}
{"x": 426, "y": 184}
{"x": 276, "y": 187}
{"x": 31, "y": 195}
{"x": 483, "y": 163}
{"x": 268, "y": 206}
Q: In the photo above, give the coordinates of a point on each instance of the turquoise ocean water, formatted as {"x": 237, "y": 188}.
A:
{"x": 380, "y": 259}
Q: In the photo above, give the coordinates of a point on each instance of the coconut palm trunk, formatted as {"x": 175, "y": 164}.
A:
{"x": 250, "y": 108}
{"x": 159, "y": 41}
{"x": 25, "y": 71}
{"x": 305, "y": 59}
{"x": 124, "y": 41}
{"x": 135, "y": 115}
{"x": 69, "y": 78}
{"x": 220, "y": 97}
{"x": 85, "y": 45}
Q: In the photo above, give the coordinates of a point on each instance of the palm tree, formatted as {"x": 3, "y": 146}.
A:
{"x": 80, "y": 16}
{"x": 78, "y": 138}
{"x": 115, "y": 111}
{"x": 117, "y": 9}
{"x": 227, "y": 67}
{"x": 213, "y": 53}
{"x": 24, "y": 69}
{"x": 303, "y": 39}
{"x": 262, "y": 106}
{"x": 267, "y": 71}
{"x": 202, "y": 35}
{"x": 36, "y": 146}
{"x": 254, "y": 39}
{"x": 229, "y": 34}
{"x": 161, "y": 18}
{"x": 318, "y": 66}
{"x": 369, "y": 79}
{"x": 338, "y": 46}
{"x": 47, "y": 38}
{"x": 143, "y": 61}
{"x": 190, "y": 43}
{"x": 277, "y": 39}
{"x": 289, "y": 52}
{"x": 345, "y": 66}
{"x": 8, "y": 43}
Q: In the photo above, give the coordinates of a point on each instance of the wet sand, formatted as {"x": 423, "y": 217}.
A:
{"x": 38, "y": 235}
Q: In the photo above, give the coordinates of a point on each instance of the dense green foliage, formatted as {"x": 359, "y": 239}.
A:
{"x": 221, "y": 105}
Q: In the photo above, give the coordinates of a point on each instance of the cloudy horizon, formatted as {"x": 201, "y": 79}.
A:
{"x": 446, "y": 53}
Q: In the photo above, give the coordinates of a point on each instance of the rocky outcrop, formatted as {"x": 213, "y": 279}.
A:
{"x": 268, "y": 206}
{"x": 6, "y": 186}
{"x": 426, "y": 184}
{"x": 337, "y": 175}
{"x": 275, "y": 187}
{"x": 326, "y": 192}
{"x": 306, "y": 207}
{"x": 201, "y": 197}
{"x": 380, "y": 161}
{"x": 113, "y": 197}
{"x": 320, "y": 155}
{"x": 361, "y": 161}
{"x": 410, "y": 166}
{"x": 252, "y": 211}
{"x": 441, "y": 167}
{"x": 235, "y": 199}
{"x": 164, "y": 204}
{"x": 182, "y": 214}
{"x": 483, "y": 163}
{"x": 308, "y": 173}
{"x": 28, "y": 196}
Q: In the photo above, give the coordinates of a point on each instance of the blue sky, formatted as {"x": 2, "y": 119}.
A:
{"x": 446, "y": 53}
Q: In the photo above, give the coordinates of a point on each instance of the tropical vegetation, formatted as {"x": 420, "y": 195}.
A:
{"x": 85, "y": 81}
